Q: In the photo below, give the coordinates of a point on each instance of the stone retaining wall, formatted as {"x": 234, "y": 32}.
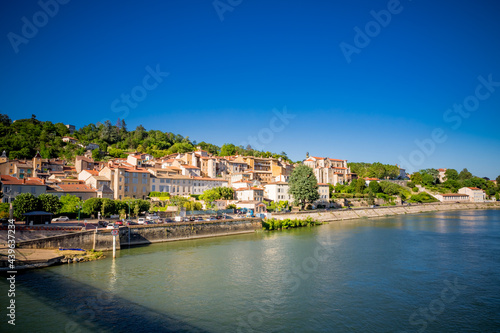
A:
{"x": 345, "y": 214}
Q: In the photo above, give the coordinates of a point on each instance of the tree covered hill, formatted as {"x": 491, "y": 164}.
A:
{"x": 24, "y": 137}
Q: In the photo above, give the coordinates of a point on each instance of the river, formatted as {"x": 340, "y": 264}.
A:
{"x": 434, "y": 272}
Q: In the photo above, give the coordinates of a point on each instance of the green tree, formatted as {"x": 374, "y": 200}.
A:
{"x": 374, "y": 187}
{"x": 92, "y": 206}
{"x": 108, "y": 207}
{"x": 228, "y": 149}
{"x": 361, "y": 185}
{"x": 464, "y": 174}
{"x": 451, "y": 174}
{"x": 209, "y": 196}
{"x": 49, "y": 203}
{"x": 416, "y": 178}
{"x": 24, "y": 203}
{"x": 69, "y": 204}
{"x": 303, "y": 185}
{"x": 427, "y": 179}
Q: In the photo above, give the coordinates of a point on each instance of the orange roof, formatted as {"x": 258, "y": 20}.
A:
{"x": 323, "y": 184}
{"x": 92, "y": 172}
{"x": 367, "y": 178}
{"x": 336, "y": 159}
{"x": 187, "y": 166}
{"x": 213, "y": 179}
{"x": 475, "y": 188}
{"x": 9, "y": 180}
{"x": 75, "y": 188}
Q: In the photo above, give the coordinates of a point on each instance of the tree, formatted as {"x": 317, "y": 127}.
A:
{"x": 464, "y": 174}
{"x": 49, "y": 203}
{"x": 498, "y": 181}
{"x": 451, "y": 174}
{"x": 209, "y": 196}
{"x": 24, "y": 203}
{"x": 360, "y": 185}
{"x": 416, "y": 178}
{"x": 69, "y": 204}
{"x": 303, "y": 185}
{"x": 92, "y": 206}
{"x": 228, "y": 149}
{"x": 108, "y": 207}
{"x": 374, "y": 187}
{"x": 427, "y": 179}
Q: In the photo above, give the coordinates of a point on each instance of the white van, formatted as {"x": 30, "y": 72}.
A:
{"x": 140, "y": 220}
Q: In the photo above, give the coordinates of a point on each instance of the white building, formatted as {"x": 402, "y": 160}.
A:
{"x": 250, "y": 194}
{"x": 475, "y": 194}
{"x": 201, "y": 184}
{"x": 277, "y": 191}
{"x": 452, "y": 197}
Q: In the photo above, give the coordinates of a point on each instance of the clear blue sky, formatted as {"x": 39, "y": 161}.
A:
{"x": 227, "y": 76}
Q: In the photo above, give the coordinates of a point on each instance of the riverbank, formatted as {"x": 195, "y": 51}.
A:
{"x": 358, "y": 213}
{"x": 39, "y": 258}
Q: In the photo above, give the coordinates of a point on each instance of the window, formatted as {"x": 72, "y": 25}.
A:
{"x": 144, "y": 189}
{"x": 134, "y": 174}
{"x": 153, "y": 188}
{"x": 134, "y": 180}
{"x": 144, "y": 180}
{"x": 135, "y": 189}
{"x": 153, "y": 180}
{"x": 120, "y": 187}
{"x": 126, "y": 188}
{"x": 33, "y": 191}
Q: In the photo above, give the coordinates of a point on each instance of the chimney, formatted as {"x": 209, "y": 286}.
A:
{"x": 24, "y": 180}
{"x": 135, "y": 167}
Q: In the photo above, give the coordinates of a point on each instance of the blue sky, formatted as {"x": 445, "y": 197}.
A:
{"x": 228, "y": 78}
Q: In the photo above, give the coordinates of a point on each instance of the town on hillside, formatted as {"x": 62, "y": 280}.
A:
{"x": 258, "y": 184}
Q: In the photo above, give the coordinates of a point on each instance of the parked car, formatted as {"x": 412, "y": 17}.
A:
{"x": 199, "y": 218}
{"x": 119, "y": 222}
{"x": 141, "y": 220}
{"x": 102, "y": 224}
{"x": 211, "y": 218}
{"x": 112, "y": 226}
{"x": 168, "y": 220}
{"x": 128, "y": 222}
{"x": 60, "y": 218}
{"x": 227, "y": 217}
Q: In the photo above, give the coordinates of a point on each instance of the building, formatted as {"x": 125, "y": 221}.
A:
{"x": 201, "y": 184}
{"x": 174, "y": 185}
{"x": 257, "y": 206}
{"x": 475, "y": 194}
{"x": 69, "y": 139}
{"x": 368, "y": 180}
{"x": 85, "y": 163}
{"x": 452, "y": 197}
{"x": 329, "y": 170}
{"x": 81, "y": 191}
{"x": 127, "y": 180}
{"x": 250, "y": 194}
{"x": 105, "y": 192}
{"x": 71, "y": 128}
{"x": 442, "y": 175}
{"x": 277, "y": 191}
{"x": 12, "y": 187}
{"x": 324, "y": 194}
